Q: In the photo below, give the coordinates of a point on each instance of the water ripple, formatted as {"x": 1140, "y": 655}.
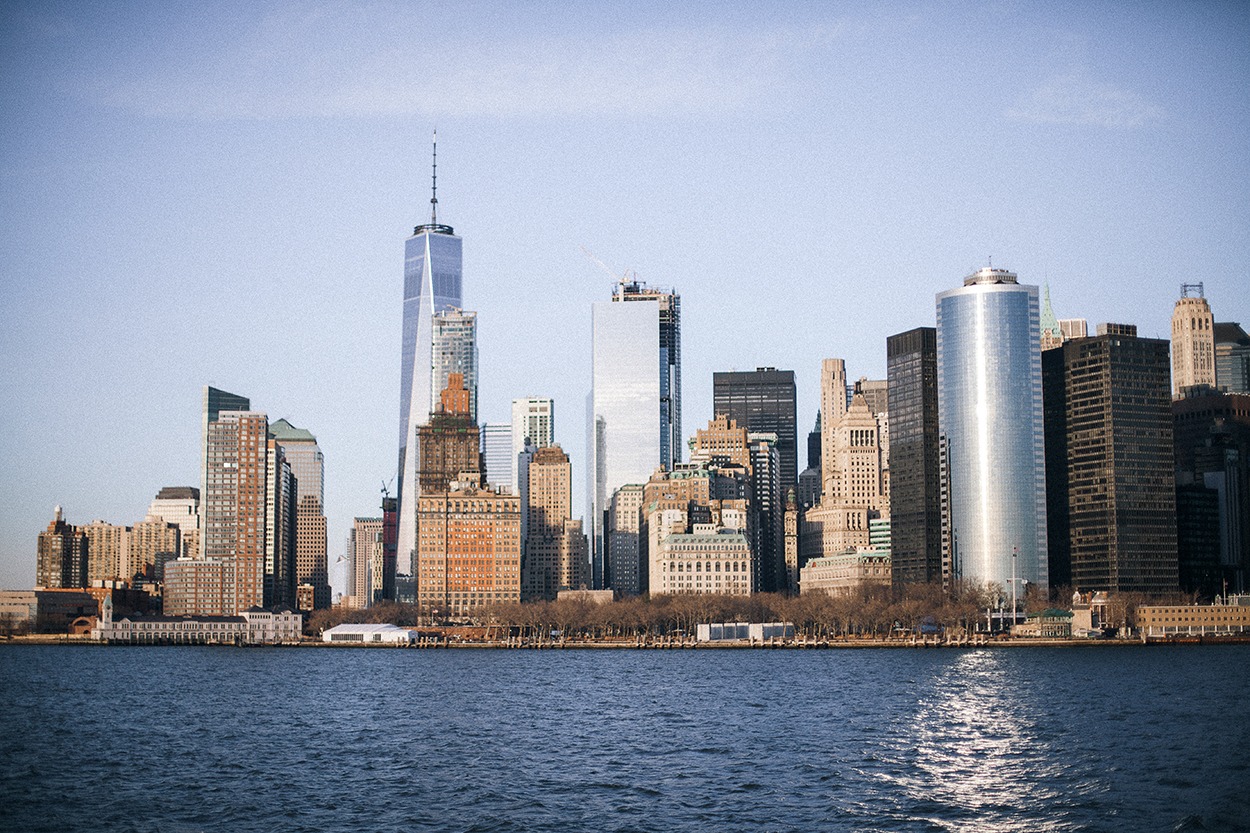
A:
{"x": 168, "y": 740}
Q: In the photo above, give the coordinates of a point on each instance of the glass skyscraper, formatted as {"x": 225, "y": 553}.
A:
{"x": 432, "y": 275}
{"x": 762, "y": 400}
{"x": 990, "y": 412}
{"x": 635, "y": 400}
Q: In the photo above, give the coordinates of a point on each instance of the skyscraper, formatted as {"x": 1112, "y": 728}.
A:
{"x": 915, "y": 496}
{"x": 61, "y": 559}
{"x": 497, "y": 455}
{"x": 990, "y": 411}
{"x": 1232, "y": 357}
{"x": 301, "y": 452}
{"x": 455, "y": 351}
{"x": 533, "y": 420}
{"x": 432, "y": 283}
{"x": 554, "y": 546}
{"x": 1193, "y": 341}
{"x": 234, "y": 516}
{"x": 1110, "y": 485}
{"x": 635, "y": 400}
{"x": 215, "y": 401}
{"x": 367, "y": 548}
{"x": 180, "y": 506}
{"x": 762, "y": 401}
{"x": 832, "y": 408}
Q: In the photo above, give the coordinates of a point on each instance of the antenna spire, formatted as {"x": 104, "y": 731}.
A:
{"x": 434, "y": 195}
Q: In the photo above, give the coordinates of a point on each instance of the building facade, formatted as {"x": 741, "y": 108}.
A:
{"x": 634, "y": 423}
{"x": 915, "y": 473}
{"x": 846, "y": 572}
{"x": 1110, "y": 482}
{"x": 61, "y": 555}
{"x": 762, "y": 401}
{"x": 180, "y": 506}
{"x": 1193, "y": 341}
{"x": 469, "y": 550}
{"x": 1232, "y": 357}
{"x": 556, "y": 556}
{"x": 309, "y": 549}
{"x": 990, "y": 412}
{"x": 533, "y": 424}
{"x": 455, "y": 351}
{"x": 367, "y": 560}
{"x": 234, "y": 513}
{"x": 496, "y": 440}
{"x": 706, "y": 560}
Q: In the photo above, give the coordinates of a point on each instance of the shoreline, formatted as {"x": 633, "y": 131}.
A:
{"x": 611, "y": 645}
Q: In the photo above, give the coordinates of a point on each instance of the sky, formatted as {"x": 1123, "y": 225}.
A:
{"x": 219, "y": 193}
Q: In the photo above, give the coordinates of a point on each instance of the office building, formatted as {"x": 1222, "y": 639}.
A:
{"x": 180, "y": 506}
{"x": 845, "y": 573}
{"x": 61, "y": 556}
{"x": 455, "y": 351}
{"x": 299, "y": 449}
{"x": 469, "y": 549}
{"x": 990, "y": 411}
{"x": 106, "y": 551}
{"x": 533, "y": 424}
{"x": 215, "y": 401}
{"x": 1193, "y": 341}
{"x": 915, "y": 484}
{"x": 705, "y": 560}
{"x": 496, "y": 440}
{"x": 149, "y": 544}
{"x": 1212, "y": 442}
{"x": 635, "y": 400}
{"x": 762, "y": 401}
{"x": 1232, "y": 358}
{"x": 625, "y": 565}
{"x": 833, "y": 404}
{"x": 432, "y": 284}
{"x": 1110, "y": 483}
{"x": 450, "y": 441}
{"x": 367, "y": 549}
{"x": 556, "y": 555}
{"x": 234, "y": 519}
{"x": 200, "y": 587}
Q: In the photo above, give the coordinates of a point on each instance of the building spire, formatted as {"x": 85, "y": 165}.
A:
{"x": 434, "y": 195}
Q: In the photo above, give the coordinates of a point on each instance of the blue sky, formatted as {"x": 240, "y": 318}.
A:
{"x": 219, "y": 193}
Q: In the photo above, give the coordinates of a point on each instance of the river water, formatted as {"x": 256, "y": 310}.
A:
{"x": 226, "y": 739}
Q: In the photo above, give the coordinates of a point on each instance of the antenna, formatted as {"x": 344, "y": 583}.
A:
{"x": 434, "y": 195}
{"x": 1191, "y": 290}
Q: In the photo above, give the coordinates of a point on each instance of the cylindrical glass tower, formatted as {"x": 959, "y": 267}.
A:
{"x": 990, "y": 412}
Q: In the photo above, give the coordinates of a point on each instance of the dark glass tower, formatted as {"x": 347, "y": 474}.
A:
{"x": 762, "y": 401}
{"x": 915, "y": 474}
{"x": 432, "y": 284}
{"x": 1110, "y": 482}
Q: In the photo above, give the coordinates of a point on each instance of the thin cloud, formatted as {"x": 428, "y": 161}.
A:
{"x": 1076, "y": 99}
{"x": 302, "y": 66}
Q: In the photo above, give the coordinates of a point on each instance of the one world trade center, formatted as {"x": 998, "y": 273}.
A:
{"x": 432, "y": 267}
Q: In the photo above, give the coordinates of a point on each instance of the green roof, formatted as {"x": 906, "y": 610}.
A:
{"x": 285, "y": 431}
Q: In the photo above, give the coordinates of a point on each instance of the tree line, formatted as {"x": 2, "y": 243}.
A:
{"x": 868, "y": 612}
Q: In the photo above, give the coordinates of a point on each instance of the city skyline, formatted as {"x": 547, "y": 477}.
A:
{"x": 235, "y": 218}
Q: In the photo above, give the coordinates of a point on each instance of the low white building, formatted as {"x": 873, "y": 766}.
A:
{"x": 743, "y": 631}
{"x": 256, "y": 626}
{"x": 368, "y": 634}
